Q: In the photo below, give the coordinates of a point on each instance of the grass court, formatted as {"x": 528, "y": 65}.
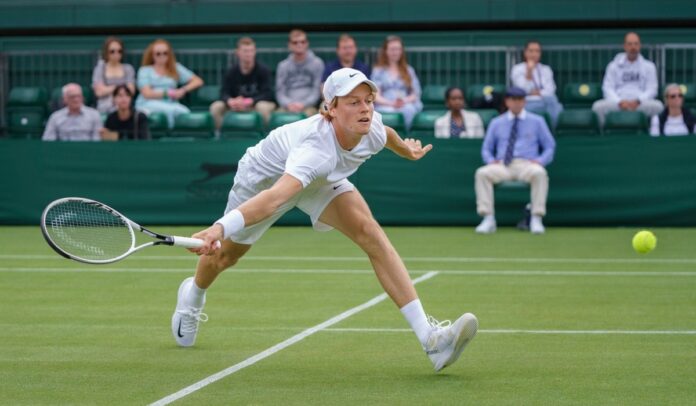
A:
{"x": 572, "y": 317}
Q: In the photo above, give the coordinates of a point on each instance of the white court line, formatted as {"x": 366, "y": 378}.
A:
{"x": 407, "y": 259}
{"x": 481, "y": 272}
{"x": 278, "y": 347}
{"x": 516, "y": 331}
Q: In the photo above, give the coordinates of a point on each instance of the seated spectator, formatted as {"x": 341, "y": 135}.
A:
{"x": 518, "y": 145}
{"x": 675, "y": 119}
{"x": 457, "y": 122}
{"x": 246, "y": 86}
{"x": 537, "y": 80}
{"x": 298, "y": 77}
{"x": 159, "y": 78}
{"x": 630, "y": 83}
{"x": 399, "y": 88}
{"x": 111, "y": 72}
{"x": 75, "y": 121}
{"x": 125, "y": 123}
{"x": 346, "y": 52}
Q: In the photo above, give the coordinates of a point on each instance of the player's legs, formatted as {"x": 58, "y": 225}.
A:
{"x": 349, "y": 213}
{"x": 443, "y": 343}
{"x": 210, "y": 266}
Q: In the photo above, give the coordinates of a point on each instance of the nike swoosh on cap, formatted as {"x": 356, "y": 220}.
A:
{"x": 350, "y": 76}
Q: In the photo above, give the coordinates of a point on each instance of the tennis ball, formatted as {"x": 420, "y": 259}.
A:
{"x": 644, "y": 242}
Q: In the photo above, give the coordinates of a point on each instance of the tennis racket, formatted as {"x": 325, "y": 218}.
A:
{"x": 94, "y": 233}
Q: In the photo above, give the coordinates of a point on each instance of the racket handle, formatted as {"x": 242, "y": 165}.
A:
{"x": 187, "y": 242}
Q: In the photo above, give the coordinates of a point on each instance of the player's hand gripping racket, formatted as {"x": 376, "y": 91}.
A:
{"x": 92, "y": 232}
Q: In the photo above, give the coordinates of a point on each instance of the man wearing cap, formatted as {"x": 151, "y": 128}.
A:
{"x": 518, "y": 145}
{"x": 306, "y": 165}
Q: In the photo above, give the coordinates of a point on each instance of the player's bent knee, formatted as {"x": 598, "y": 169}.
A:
{"x": 368, "y": 235}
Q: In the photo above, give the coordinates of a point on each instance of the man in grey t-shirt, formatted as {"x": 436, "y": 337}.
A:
{"x": 298, "y": 77}
{"x": 75, "y": 121}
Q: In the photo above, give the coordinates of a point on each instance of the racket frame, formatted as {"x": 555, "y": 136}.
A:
{"x": 161, "y": 239}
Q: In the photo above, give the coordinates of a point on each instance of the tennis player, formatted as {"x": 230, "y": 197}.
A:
{"x": 306, "y": 165}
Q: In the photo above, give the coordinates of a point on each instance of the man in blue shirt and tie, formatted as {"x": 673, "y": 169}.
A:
{"x": 518, "y": 146}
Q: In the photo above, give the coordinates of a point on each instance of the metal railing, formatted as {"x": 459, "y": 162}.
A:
{"x": 451, "y": 65}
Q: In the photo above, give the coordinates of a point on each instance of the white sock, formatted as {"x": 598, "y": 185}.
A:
{"x": 489, "y": 217}
{"x": 415, "y": 316}
{"x": 195, "y": 296}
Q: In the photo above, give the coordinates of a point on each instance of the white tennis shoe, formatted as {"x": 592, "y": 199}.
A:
{"x": 186, "y": 318}
{"x": 447, "y": 340}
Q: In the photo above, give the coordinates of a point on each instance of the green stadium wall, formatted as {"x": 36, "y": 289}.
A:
{"x": 155, "y": 14}
{"x": 602, "y": 181}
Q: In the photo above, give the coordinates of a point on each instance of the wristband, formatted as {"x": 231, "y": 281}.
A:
{"x": 232, "y": 223}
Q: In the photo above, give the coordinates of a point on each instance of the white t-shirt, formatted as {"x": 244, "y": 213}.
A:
{"x": 673, "y": 126}
{"x": 309, "y": 151}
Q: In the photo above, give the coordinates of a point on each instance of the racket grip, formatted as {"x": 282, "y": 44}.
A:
{"x": 187, "y": 242}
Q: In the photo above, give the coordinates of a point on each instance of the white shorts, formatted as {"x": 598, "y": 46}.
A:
{"x": 312, "y": 200}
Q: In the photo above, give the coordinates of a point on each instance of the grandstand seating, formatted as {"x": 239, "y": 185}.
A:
{"x": 203, "y": 97}
{"x": 280, "y": 118}
{"x": 581, "y": 94}
{"x": 433, "y": 97}
{"x": 196, "y": 125}
{"x": 689, "y": 92}
{"x": 625, "y": 123}
{"x": 26, "y": 111}
{"x": 394, "y": 120}
{"x": 424, "y": 123}
{"x": 577, "y": 122}
{"x": 242, "y": 125}
{"x": 486, "y": 115}
{"x": 158, "y": 125}
{"x": 484, "y": 90}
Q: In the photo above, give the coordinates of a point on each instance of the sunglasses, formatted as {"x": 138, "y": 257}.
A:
{"x": 675, "y": 96}
{"x": 162, "y": 53}
{"x": 116, "y": 51}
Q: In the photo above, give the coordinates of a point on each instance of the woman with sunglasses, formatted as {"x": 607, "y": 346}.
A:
{"x": 111, "y": 72}
{"x": 162, "y": 82}
{"x": 675, "y": 119}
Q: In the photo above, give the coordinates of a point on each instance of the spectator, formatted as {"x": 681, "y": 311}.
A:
{"x": 346, "y": 52}
{"x": 246, "y": 86}
{"x": 298, "y": 77}
{"x": 457, "y": 122}
{"x": 125, "y": 123}
{"x": 537, "y": 80}
{"x": 111, "y": 72}
{"x": 75, "y": 121}
{"x": 630, "y": 82}
{"x": 518, "y": 145}
{"x": 159, "y": 78}
{"x": 675, "y": 119}
{"x": 399, "y": 88}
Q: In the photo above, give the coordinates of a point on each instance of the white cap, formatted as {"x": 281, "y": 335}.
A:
{"x": 343, "y": 81}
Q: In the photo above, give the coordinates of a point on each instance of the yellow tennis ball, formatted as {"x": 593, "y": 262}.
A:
{"x": 644, "y": 242}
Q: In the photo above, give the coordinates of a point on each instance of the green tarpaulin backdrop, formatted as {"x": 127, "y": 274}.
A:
{"x": 631, "y": 180}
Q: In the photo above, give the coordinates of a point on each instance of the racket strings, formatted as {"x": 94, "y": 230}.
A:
{"x": 88, "y": 230}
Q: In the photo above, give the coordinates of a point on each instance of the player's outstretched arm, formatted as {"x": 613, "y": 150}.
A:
{"x": 253, "y": 211}
{"x": 408, "y": 148}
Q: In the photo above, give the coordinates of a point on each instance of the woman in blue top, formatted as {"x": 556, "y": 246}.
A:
{"x": 399, "y": 88}
{"x": 159, "y": 78}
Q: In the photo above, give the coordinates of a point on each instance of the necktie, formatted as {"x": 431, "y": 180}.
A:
{"x": 509, "y": 151}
